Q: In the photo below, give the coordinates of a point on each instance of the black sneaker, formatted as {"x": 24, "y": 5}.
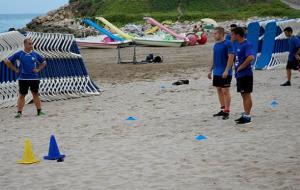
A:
{"x": 40, "y": 113}
{"x": 185, "y": 81}
{"x": 237, "y": 120}
{"x": 177, "y": 83}
{"x": 220, "y": 114}
{"x": 18, "y": 115}
{"x": 225, "y": 116}
{"x": 242, "y": 114}
{"x": 287, "y": 83}
{"x": 243, "y": 120}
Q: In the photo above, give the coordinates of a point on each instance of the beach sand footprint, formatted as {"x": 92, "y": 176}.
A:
{"x": 243, "y": 128}
{"x": 53, "y": 115}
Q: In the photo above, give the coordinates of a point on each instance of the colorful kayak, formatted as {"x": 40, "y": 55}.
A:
{"x": 99, "y": 43}
{"x": 159, "y": 43}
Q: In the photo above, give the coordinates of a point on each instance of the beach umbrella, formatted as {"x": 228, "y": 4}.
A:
{"x": 209, "y": 21}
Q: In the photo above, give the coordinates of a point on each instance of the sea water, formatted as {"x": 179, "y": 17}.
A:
{"x": 16, "y": 21}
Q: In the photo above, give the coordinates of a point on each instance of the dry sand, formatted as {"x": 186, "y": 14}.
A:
{"x": 158, "y": 151}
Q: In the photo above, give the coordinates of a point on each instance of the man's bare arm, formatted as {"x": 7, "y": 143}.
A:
{"x": 40, "y": 67}
{"x": 298, "y": 55}
{"x": 246, "y": 62}
{"x": 229, "y": 65}
{"x": 210, "y": 71}
{"x": 10, "y": 65}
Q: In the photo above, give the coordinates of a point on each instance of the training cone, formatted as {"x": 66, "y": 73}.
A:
{"x": 131, "y": 119}
{"x": 28, "y": 156}
{"x": 200, "y": 137}
{"x": 274, "y": 104}
{"x": 53, "y": 153}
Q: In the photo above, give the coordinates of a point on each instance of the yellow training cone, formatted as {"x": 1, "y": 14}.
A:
{"x": 28, "y": 156}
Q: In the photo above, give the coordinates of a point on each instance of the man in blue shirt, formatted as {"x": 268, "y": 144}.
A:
{"x": 243, "y": 72}
{"x": 246, "y": 32}
{"x": 31, "y": 63}
{"x": 294, "y": 55}
{"x": 228, "y": 36}
{"x": 222, "y": 71}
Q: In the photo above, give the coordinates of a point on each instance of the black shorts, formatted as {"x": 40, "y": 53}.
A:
{"x": 244, "y": 84}
{"x": 218, "y": 81}
{"x": 293, "y": 65}
{"x": 24, "y": 85}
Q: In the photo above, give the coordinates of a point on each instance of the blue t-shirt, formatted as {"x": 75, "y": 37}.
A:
{"x": 228, "y": 37}
{"x": 221, "y": 51}
{"x": 234, "y": 43}
{"x": 294, "y": 45}
{"x": 28, "y": 62}
{"x": 243, "y": 51}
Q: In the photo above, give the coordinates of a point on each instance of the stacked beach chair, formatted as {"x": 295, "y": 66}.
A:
{"x": 269, "y": 42}
{"x": 65, "y": 75}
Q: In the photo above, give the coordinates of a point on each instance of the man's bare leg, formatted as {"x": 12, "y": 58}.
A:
{"x": 289, "y": 78}
{"x": 227, "y": 101}
{"x": 37, "y": 102}
{"x": 289, "y": 74}
{"x": 221, "y": 101}
{"x": 247, "y": 101}
{"x": 20, "y": 104}
{"x": 227, "y": 98}
{"x": 221, "y": 97}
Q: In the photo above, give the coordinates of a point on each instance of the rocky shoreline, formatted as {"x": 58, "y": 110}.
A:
{"x": 62, "y": 20}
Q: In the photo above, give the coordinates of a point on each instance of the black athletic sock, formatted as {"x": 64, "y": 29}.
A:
{"x": 39, "y": 111}
{"x": 20, "y": 112}
{"x": 222, "y": 107}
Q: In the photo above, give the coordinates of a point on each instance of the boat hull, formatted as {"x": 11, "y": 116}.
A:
{"x": 100, "y": 45}
{"x": 159, "y": 43}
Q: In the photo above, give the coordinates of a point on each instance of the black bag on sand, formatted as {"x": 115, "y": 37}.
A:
{"x": 181, "y": 82}
{"x": 157, "y": 59}
{"x": 149, "y": 58}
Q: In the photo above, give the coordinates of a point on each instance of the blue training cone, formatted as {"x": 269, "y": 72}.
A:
{"x": 274, "y": 104}
{"x": 131, "y": 119}
{"x": 53, "y": 153}
{"x": 200, "y": 137}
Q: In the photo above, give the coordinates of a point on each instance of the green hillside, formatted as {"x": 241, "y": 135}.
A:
{"x": 124, "y": 11}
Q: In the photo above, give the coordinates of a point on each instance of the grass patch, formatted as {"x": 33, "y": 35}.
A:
{"x": 128, "y": 11}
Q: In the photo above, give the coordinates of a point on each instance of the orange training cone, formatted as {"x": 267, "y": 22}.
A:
{"x": 28, "y": 156}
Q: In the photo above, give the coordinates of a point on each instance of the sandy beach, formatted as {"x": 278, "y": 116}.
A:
{"x": 159, "y": 150}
